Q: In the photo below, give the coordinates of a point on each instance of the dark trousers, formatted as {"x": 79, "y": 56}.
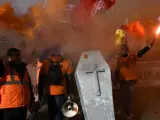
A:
{"x": 55, "y": 104}
{"x": 127, "y": 88}
{"x": 1, "y": 114}
{"x": 15, "y": 113}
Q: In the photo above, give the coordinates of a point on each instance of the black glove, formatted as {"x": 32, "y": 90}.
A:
{"x": 152, "y": 42}
{"x": 70, "y": 96}
{"x": 40, "y": 96}
{"x": 35, "y": 106}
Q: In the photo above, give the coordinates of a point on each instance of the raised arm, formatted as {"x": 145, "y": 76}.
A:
{"x": 145, "y": 49}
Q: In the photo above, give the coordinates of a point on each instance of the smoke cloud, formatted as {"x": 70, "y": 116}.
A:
{"x": 100, "y": 34}
{"x": 21, "y": 6}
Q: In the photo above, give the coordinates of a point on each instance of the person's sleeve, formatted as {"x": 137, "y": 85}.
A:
{"x": 117, "y": 70}
{"x": 2, "y": 69}
{"x": 70, "y": 68}
{"x": 42, "y": 76}
{"x": 143, "y": 51}
{"x": 146, "y": 49}
{"x": 69, "y": 77}
{"x": 30, "y": 86}
{"x": 31, "y": 90}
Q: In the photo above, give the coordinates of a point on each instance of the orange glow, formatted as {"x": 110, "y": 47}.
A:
{"x": 158, "y": 31}
{"x": 75, "y": 110}
{"x": 137, "y": 29}
{"x": 25, "y": 25}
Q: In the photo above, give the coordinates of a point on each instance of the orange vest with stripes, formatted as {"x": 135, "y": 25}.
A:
{"x": 14, "y": 90}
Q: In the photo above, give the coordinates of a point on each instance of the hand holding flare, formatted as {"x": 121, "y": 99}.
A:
{"x": 157, "y": 34}
{"x": 157, "y": 31}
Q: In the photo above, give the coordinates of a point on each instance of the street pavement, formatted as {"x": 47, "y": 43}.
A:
{"x": 146, "y": 105}
{"x": 153, "y": 111}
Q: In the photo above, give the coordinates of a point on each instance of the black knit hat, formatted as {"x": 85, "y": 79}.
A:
{"x": 12, "y": 52}
{"x": 55, "y": 50}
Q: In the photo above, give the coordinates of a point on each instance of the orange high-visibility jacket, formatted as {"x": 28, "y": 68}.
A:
{"x": 14, "y": 90}
{"x": 128, "y": 68}
{"x": 66, "y": 69}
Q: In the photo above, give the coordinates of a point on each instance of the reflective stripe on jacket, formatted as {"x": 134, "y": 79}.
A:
{"x": 14, "y": 90}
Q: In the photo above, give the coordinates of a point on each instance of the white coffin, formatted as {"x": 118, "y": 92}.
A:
{"x": 93, "y": 79}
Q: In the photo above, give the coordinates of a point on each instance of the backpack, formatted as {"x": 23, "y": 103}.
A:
{"x": 55, "y": 74}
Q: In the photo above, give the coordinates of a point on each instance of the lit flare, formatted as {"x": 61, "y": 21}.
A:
{"x": 158, "y": 31}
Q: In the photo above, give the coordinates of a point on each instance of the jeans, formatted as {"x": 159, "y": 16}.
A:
{"x": 55, "y": 104}
{"x": 127, "y": 88}
{"x": 15, "y": 113}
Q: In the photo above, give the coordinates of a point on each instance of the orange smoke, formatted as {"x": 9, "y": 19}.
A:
{"x": 137, "y": 29}
{"x": 31, "y": 21}
{"x": 25, "y": 24}
{"x": 10, "y": 21}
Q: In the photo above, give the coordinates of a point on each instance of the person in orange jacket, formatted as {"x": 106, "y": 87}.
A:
{"x": 55, "y": 77}
{"x": 2, "y": 72}
{"x": 15, "y": 88}
{"x": 128, "y": 77}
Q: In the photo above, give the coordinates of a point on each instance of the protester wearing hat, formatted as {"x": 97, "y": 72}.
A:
{"x": 128, "y": 77}
{"x": 55, "y": 77}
